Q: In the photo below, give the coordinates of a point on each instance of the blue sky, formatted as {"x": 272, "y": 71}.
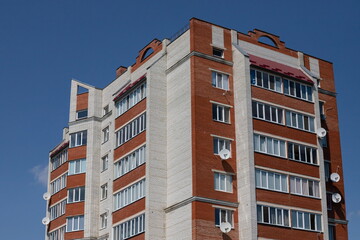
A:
{"x": 44, "y": 44}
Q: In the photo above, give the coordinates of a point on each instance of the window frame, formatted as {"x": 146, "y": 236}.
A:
{"x": 215, "y": 81}
{"x": 229, "y": 215}
{"x": 82, "y": 166}
{"x": 297, "y": 185}
{"x": 80, "y": 223}
{"x": 264, "y": 211}
{"x": 82, "y": 111}
{"x": 226, "y": 144}
{"x": 105, "y": 134}
{"x": 74, "y": 194}
{"x": 130, "y": 162}
{"x": 259, "y": 182}
{"x": 103, "y": 191}
{"x": 222, "y": 110}
{"x": 76, "y": 135}
{"x": 272, "y": 142}
{"x": 105, "y": 163}
{"x": 226, "y": 188}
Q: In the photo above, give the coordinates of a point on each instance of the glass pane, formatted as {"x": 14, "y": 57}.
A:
{"x": 277, "y": 182}
{"x": 258, "y": 78}
{"x": 271, "y": 180}
{"x": 266, "y": 80}
{"x": 259, "y": 213}
{"x": 262, "y": 144}
{"x": 278, "y": 84}
{"x": 292, "y": 88}
{"x": 267, "y": 112}
{"x": 282, "y": 148}
{"x": 257, "y": 177}
{"x": 216, "y": 181}
{"x": 256, "y": 142}
{"x": 261, "y": 110}
{"x": 272, "y": 216}
{"x": 252, "y": 76}
{"x": 309, "y": 93}
{"x": 307, "y": 220}
{"x": 263, "y": 179}
{"x": 266, "y": 214}
{"x": 298, "y": 90}
{"x": 213, "y": 77}
{"x": 286, "y": 86}
{"x": 254, "y": 109}
{"x": 288, "y": 118}
{"x": 272, "y": 82}
{"x": 269, "y": 146}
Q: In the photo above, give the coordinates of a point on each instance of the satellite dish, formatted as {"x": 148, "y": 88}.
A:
{"x": 225, "y": 227}
{"x": 224, "y": 154}
{"x": 336, "y": 197}
{"x": 45, "y": 221}
{"x": 321, "y": 132}
{"x": 46, "y": 196}
{"x": 335, "y": 177}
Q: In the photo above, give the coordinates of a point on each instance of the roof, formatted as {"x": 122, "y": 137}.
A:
{"x": 279, "y": 68}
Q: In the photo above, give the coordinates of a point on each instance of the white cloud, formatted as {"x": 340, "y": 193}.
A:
{"x": 40, "y": 174}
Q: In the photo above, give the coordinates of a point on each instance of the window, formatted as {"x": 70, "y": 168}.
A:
{"x": 269, "y": 145}
{"x": 57, "y": 210}
{"x": 223, "y": 215}
{"x": 103, "y": 220}
{"x": 104, "y": 162}
{"x": 220, "y": 144}
{"x": 59, "y": 159}
{"x": 298, "y": 90}
{"x": 131, "y": 130}
{"x": 131, "y": 99}
{"x": 302, "y": 153}
{"x": 265, "y": 80}
{"x": 327, "y": 170}
{"x": 220, "y": 80}
{"x": 78, "y": 139}
{"x": 331, "y": 232}
{"x": 58, "y": 234}
{"x": 76, "y": 194}
{"x": 104, "y": 191}
{"x": 221, "y": 113}
{"x": 75, "y": 223}
{"x": 273, "y": 215}
{"x": 105, "y": 133}
{"x": 223, "y": 182}
{"x": 329, "y": 200}
{"x": 77, "y": 166}
{"x": 323, "y": 141}
{"x": 129, "y": 195}
{"x": 299, "y": 121}
{"x": 106, "y": 110}
{"x": 306, "y": 220}
{"x": 322, "y": 110}
{"x": 304, "y": 187}
{"x": 217, "y": 52}
{"x": 130, "y": 228}
{"x": 82, "y": 114}
{"x": 271, "y": 180}
{"x": 58, "y": 184}
{"x": 129, "y": 162}
{"x": 267, "y": 112}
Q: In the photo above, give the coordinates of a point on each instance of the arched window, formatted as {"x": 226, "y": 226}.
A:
{"x": 267, "y": 40}
{"x": 147, "y": 53}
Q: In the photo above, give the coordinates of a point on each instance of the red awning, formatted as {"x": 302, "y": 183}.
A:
{"x": 280, "y": 68}
{"x": 128, "y": 87}
{"x": 59, "y": 148}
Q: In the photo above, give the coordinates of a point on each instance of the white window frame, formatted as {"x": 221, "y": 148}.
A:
{"x": 59, "y": 159}
{"x": 75, "y": 223}
{"x": 58, "y": 184}
{"x": 103, "y": 220}
{"x": 131, "y": 130}
{"x": 303, "y": 186}
{"x": 271, "y": 180}
{"x": 105, "y": 162}
{"x": 103, "y": 191}
{"x": 129, "y": 228}
{"x": 77, "y": 166}
{"x": 221, "y": 113}
{"x": 130, "y": 162}
{"x": 299, "y": 218}
{"x": 310, "y": 158}
{"x": 129, "y": 195}
{"x": 266, "y": 80}
{"x": 220, "y": 80}
{"x": 299, "y": 121}
{"x": 80, "y": 112}
{"x": 269, "y": 145}
{"x": 106, "y": 134}
{"x": 224, "y": 215}
{"x": 76, "y": 195}
{"x": 220, "y": 144}
{"x": 58, "y": 234}
{"x": 273, "y": 215}
{"x": 223, "y": 182}
{"x": 57, "y": 210}
{"x": 298, "y": 90}
{"x": 261, "y": 110}
{"x": 78, "y": 139}
{"x": 130, "y": 99}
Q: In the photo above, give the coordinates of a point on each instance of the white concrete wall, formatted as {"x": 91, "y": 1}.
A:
{"x": 269, "y": 54}
{"x": 244, "y": 147}
{"x": 178, "y": 49}
{"x": 156, "y": 167}
{"x": 178, "y": 223}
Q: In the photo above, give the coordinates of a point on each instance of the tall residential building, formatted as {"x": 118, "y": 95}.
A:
{"x": 212, "y": 134}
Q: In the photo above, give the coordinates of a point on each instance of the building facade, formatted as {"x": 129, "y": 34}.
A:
{"x": 212, "y": 134}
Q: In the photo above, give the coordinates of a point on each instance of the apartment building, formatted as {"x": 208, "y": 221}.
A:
{"x": 211, "y": 134}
